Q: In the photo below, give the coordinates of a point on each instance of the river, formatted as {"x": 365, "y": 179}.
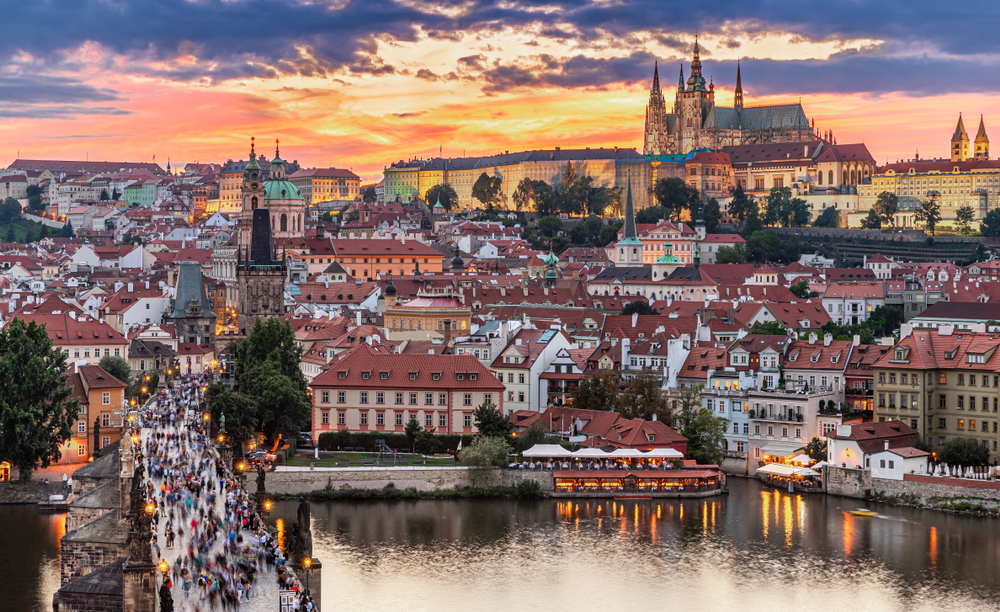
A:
{"x": 757, "y": 548}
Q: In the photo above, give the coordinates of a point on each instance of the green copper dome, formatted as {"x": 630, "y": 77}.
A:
{"x": 281, "y": 190}
{"x": 551, "y": 259}
{"x": 668, "y": 259}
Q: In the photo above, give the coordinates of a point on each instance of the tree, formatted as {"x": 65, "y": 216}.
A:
{"x": 117, "y": 367}
{"x": 368, "y": 194}
{"x": 801, "y": 290}
{"x": 443, "y": 193}
{"x": 550, "y": 225}
{"x": 792, "y": 249}
{"x": 43, "y": 231}
{"x": 644, "y": 398}
{"x": 105, "y": 196}
{"x": 604, "y": 199}
{"x": 239, "y": 410}
{"x": 929, "y": 213}
{"x": 885, "y": 207}
{"x": 964, "y": 452}
{"x": 963, "y": 219}
{"x": 117, "y": 195}
{"x": 795, "y": 213}
{"x": 486, "y": 189}
{"x": 884, "y": 320}
{"x": 483, "y": 454}
{"x": 652, "y": 214}
{"x": 524, "y": 194}
{"x": 34, "y": 193}
{"x": 765, "y": 246}
{"x": 67, "y": 230}
{"x": 730, "y": 255}
{"x": 11, "y": 236}
{"x": 268, "y": 374}
{"x": 686, "y": 404}
{"x": 10, "y": 209}
{"x": 609, "y": 232}
{"x": 641, "y": 307}
{"x": 413, "y": 432}
{"x": 712, "y": 214}
{"x": 769, "y": 328}
{"x": 535, "y": 434}
{"x": 872, "y": 222}
{"x": 778, "y": 206}
{"x": 37, "y": 407}
{"x": 586, "y": 231}
{"x": 598, "y": 391}
{"x": 706, "y": 436}
{"x": 753, "y": 223}
{"x": 675, "y": 195}
{"x": 991, "y": 223}
{"x": 740, "y": 205}
{"x": 490, "y": 422}
{"x": 830, "y": 217}
{"x": 816, "y": 449}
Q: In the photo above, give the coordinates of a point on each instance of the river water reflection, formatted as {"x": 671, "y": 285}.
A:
{"x": 756, "y": 549}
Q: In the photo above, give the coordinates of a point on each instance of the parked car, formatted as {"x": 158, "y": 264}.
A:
{"x": 304, "y": 440}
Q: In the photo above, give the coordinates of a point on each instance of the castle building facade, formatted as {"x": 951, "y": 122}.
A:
{"x": 696, "y": 122}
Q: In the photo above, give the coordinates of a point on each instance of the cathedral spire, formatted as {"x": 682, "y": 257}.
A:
{"x": 738, "y": 94}
{"x": 656, "y": 77}
{"x": 696, "y": 62}
{"x": 629, "y": 212}
{"x": 253, "y": 155}
{"x": 680, "y": 81}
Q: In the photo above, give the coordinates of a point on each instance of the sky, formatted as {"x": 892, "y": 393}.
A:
{"x": 361, "y": 83}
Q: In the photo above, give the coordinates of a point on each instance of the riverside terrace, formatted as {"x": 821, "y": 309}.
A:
{"x": 623, "y": 472}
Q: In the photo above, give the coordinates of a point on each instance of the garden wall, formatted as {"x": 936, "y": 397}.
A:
{"x": 926, "y": 487}
{"x": 295, "y": 481}
{"x": 846, "y": 482}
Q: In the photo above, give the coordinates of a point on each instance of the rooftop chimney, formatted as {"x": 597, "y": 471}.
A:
{"x": 812, "y": 339}
{"x": 827, "y": 339}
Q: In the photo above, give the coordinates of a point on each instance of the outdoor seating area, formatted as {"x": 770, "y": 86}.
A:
{"x": 689, "y": 481}
{"x": 802, "y": 479}
{"x": 555, "y": 457}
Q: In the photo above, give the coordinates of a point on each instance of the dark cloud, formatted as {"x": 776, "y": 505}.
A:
{"x": 61, "y": 111}
{"x": 269, "y": 38}
{"x": 50, "y": 90}
{"x": 426, "y": 75}
{"x": 409, "y": 115}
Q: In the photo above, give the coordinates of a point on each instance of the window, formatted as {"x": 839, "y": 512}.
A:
{"x": 510, "y": 396}
{"x": 342, "y": 417}
{"x": 468, "y": 420}
{"x": 942, "y": 424}
{"x": 460, "y": 376}
{"x": 798, "y": 432}
{"x": 435, "y": 376}
{"x": 106, "y": 398}
{"x": 972, "y": 425}
{"x": 413, "y": 399}
{"x": 961, "y": 423}
{"x": 892, "y": 379}
{"x": 366, "y": 375}
{"x": 770, "y": 430}
{"x": 81, "y": 427}
{"x": 341, "y": 397}
{"x": 972, "y": 402}
{"x": 384, "y": 375}
{"x": 413, "y": 375}
{"x": 81, "y": 450}
{"x": 746, "y": 428}
{"x": 380, "y": 398}
{"x": 961, "y": 379}
{"x": 325, "y": 395}
{"x": 756, "y": 430}
{"x": 429, "y": 399}
{"x": 364, "y": 418}
{"x": 399, "y": 419}
{"x": 467, "y": 400}
{"x": 784, "y": 432}
{"x": 881, "y": 463}
{"x": 325, "y": 420}
{"x": 442, "y": 420}
{"x": 488, "y": 398}
{"x": 428, "y": 420}
{"x": 520, "y": 396}
{"x": 961, "y": 402}
{"x": 510, "y": 377}
{"x": 341, "y": 375}
{"x": 364, "y": 397}
{"x": 442, "y": 399}
{"x": 972, "y": 379}
{"x": 380, "y": 419}
{"x": 399, "y": 398}
{"x": 520, "y": 379}
{"x": 942, "y": 380}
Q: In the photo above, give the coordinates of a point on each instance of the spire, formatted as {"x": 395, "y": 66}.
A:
{"x": 656, "y": 77}
{"x": 738, "y": 94}
{"x": 980, "y": 135}
{"x": 629, "y": 212}
{"x": 253, "y": 154}
{"x": 277, "y": 153}
{"x": 680, "y": 81}
{"x": 960, "y": 133}
{"x": 696, "y": 62}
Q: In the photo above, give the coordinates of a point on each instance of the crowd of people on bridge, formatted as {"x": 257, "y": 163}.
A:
{"x": 214, "y": 541}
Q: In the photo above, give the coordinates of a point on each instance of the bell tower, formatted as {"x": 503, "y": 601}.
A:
{"x": 253, "y": 195}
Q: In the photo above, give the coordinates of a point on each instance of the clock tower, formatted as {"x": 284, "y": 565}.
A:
{"x": 253, "y": 196}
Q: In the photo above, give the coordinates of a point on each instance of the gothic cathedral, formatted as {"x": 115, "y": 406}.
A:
{"x": 696, "y": 122}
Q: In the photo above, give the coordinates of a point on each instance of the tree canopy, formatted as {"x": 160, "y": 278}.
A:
{"x": 769, "y": 328}
{"x": 830, "y": 217}
{"x": 963, "y": 219}
{"x": 486, "y": 189}
{"x": 675, "y": 195}
{"x": 490, "y": 422}
{"x": 67, "y": 230}
{"x": 368, "y": 194}
{"x": 991, "y": 223}
{"x": 885, "y": 208}
{"x": 929, "y": 213}
{"x": 599, "y": 391}
{"x": 712, "y": 215}
{"x": 643, "y": 398}
{"x": 730, "y": 255}
{"x": 117, "y": 367}
{"x": 443, "y": 193}
{"x": 641, "y": 307}
{"x": 740, "y": 204}
{"x": 964, "y": 452}
{"x": 37, "y": 407}
{"x": 10, "y": 209}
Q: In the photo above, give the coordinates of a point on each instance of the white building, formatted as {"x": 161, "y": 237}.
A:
{"x": 522, "y": 361}
{"x": 893, "y": 463}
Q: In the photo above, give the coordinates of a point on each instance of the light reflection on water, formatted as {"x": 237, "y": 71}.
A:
{"x": 756, "y": 549}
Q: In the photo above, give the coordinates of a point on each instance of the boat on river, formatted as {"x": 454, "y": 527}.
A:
{"x": 863, "y": 512}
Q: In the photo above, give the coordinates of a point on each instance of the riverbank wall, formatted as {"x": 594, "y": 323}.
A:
{"x": 296, "y": 481}
{"x": 918, "y": 489}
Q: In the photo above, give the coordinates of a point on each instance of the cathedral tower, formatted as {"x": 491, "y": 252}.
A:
{"x": 982, "y": 144}
{"x": 692, "y": 105}
{"x": 656, "y": 130}
{"x": 260, "y": 274}
{"x": 960, "y": 142}
{"x": 738, "y": 93}
{"x": 628, "y": 250}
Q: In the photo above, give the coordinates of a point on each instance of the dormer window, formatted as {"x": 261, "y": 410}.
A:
{"x": 970, "y": 358}
{"x": 472, "y": 377}
{"x": 384, "y": 375}
{"x": 899, "y": 355}
{"x": 436, "y": 376}
{"x": 413, "y": 375}
{"x": 341, "y": 375}
{"x": 460, "y": 376}
{"x": 366, "y": 375}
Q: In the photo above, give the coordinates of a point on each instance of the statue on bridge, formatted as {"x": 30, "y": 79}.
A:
{"x": 305, "y": 527}
{"x": 261, "y": 488}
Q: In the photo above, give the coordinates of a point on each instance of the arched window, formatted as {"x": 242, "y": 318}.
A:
{"x": 854, "y": 177}
{"x": 253, "y": 202}
{"x": 830, "y": 182}
{"x": 820, "y": 177}
{"x": 284, "y": 222}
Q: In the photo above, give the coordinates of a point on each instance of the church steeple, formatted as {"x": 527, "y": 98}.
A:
{"x": 960, "y": 142}
{"x": 982, "y": 144}
{"x": 696, "y": 62}
{"x": 680, "y": 81}
{"x": 629, "y": 213}
{"x": 696, "y": 82}
{"x": 738, "y": 93}
{"x": 656, "y": 78}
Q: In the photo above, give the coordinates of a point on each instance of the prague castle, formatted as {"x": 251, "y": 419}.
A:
{"x": 697, "y": 122}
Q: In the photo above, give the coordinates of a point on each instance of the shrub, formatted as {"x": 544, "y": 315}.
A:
{"x": 529, "y": 488}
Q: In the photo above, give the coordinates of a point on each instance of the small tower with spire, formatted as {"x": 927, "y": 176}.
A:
{"x": 982, "y": 143}
{"x": 656, "y": 128}
{"x": 960, "y": 142}
{"x": 629, "y": 250}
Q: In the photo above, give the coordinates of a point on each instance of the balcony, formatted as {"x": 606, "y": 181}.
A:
{"x": 781, "y": 415}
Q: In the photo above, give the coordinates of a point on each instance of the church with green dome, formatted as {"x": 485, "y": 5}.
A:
{"x": 273, "y": 191}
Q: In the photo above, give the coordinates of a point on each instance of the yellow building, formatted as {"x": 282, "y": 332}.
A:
{"x": 327, "y": 185}
{"x": 407, "y": 180}
{"x": 436, "y": 314}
